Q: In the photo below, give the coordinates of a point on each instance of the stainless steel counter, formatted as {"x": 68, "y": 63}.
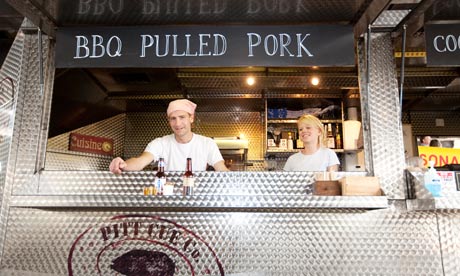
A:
{"x": 227, "y": 190}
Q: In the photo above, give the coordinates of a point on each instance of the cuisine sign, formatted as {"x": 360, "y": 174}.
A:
{"x": 90, "y": 144}
{"x": 205, "y": 46}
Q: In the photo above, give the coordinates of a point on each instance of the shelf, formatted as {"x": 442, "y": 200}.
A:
{"x": 294, "y": 121}
{"x": 202, "y": 202}
{"x": 297, "y": 150}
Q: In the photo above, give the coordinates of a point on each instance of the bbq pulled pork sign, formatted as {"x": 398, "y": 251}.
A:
{"x": 135, "y": 245}
{"x": 90, "y": 144}
{"x": 205, "y": 46}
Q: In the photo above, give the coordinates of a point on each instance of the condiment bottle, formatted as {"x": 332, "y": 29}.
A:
{"x": 290, "y": 142}
{"x": 160, "y": 177}
{"x": 188, "y": 179}
{"x": 330, "y": 137}
{"x": 432, "y": 180}
{"x": 338, "y": 137}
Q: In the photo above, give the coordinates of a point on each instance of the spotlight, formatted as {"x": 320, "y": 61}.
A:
{"x": 315, "y": 81}
{"x": 250, "y": 81}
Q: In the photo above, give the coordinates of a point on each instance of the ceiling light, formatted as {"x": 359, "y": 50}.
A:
{"x": 250, "y": 81}
{"x": 314, "y": 81}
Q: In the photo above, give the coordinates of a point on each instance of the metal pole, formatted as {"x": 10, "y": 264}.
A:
{"x": 40, "y": 153}
{"x": 40, "y": 61}
{"x": 367, "y": 122}
{"x": 401, "y": 82}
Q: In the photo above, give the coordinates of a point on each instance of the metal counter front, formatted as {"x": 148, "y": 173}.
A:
{"x": 315, "y": 242}
{"x": 237, "y": 223}
{"x": 229, "y": 191}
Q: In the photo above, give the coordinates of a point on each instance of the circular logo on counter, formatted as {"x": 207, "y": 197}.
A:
{"x": 107, "y": 147}
{"x": 134, "y": 245}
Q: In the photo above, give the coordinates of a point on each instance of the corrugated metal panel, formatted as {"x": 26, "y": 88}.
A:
{"x": 380, "y": 103}
{"x": 321, "y": 242}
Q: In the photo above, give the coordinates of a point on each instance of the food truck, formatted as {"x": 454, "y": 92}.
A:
{"x": 83, "y": 82}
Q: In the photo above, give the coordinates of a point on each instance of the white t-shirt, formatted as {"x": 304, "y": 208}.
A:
{"x": 318, "y": 161}
{"x": 203, "y": 151}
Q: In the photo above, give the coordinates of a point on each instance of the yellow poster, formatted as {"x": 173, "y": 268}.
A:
{"x": 441, "y": 156}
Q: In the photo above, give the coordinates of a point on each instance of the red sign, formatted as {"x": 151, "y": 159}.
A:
{"x": 91, "y": 144}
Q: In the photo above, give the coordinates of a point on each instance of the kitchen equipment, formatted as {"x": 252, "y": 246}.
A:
{"x": 234, "y": 151}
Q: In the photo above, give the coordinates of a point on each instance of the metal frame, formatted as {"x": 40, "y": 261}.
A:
{"x": 43, "y": 213}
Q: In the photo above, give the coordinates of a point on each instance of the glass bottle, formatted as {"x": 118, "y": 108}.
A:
{"x": 330, "y": 137}
{"x": 188, "y": 179}
{"x": 338, "y": 137}
{"x": 290, "y": 142}
{"x": 160, "y": 177}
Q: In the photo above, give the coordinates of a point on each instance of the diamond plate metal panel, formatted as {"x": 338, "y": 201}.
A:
{"x": 425, "y": 81}
{"x": 424, "y": 123}
{"x": 237, "y": 93}
{"x": 208, "y": 183}
{"x": 390, "y": 18}
{"x": 10, "y": 69}
{"x": 246, "y": 243}
{"x": 209, "y": 203}
{"x": 238, "y": 81}
{"x": 381, "y": 121}
{"x": 423, "y": 200}
{"x": 58, "y": 156}
{"x": 213, "y": 190}
{"x": 32, "y": 112}
{"x": 7, "y": 110}
{"x": 449, "y": 227}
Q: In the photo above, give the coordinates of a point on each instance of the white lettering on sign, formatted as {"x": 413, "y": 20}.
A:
{"x": 278, "y": 44}
{"x": 99, "y": 7}
{"x": 279, "y": 6}
{"x": 151, "y": 7}
{"x": 208, "y": 45}
{"x": 96, "y": 47}
{"x": 449, "y": 43}
{"x": 175, "y": 7}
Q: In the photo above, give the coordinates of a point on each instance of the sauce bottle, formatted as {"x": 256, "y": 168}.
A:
{"x": 160, "y": 177}
{"x": 290, "y": 142}
{"x": 330, "y": 137}
{"x": 188, "y": 179}
{"x": 338, "y": 137}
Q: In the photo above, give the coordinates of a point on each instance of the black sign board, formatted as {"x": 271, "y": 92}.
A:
{"x": 443, "y": 44}
{"x": 205, "y": 46}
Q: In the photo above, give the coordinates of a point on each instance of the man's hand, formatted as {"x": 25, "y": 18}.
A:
{"x": 117, "y": 165}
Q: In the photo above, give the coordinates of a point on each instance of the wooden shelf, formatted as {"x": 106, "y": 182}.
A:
{"x": 294, "y": 121}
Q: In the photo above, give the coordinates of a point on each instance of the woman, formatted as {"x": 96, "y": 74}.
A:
{"x": 314, "y": 156}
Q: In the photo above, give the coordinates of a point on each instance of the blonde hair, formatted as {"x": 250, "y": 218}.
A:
{"x": 312, "y": 120}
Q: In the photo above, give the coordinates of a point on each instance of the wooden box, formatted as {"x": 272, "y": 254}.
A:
{"x": 327, "y": 188}
{"x": 360, "y": 186}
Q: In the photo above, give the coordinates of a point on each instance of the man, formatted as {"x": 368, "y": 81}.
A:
{"x": 177, "y": 147}
{"x": 425, "y": 140}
